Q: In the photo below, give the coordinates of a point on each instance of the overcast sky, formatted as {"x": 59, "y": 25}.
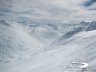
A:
{"x": 50, "y": 9}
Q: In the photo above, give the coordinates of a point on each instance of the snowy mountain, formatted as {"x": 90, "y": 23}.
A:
{"x": 15, "y": 40}
{"x": 46, "y": 46}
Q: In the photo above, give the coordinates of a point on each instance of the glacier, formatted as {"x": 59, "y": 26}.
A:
{"x": 47, "y": 46}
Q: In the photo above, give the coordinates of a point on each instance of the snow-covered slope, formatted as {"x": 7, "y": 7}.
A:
{"x": 53, "y": 50}
{"x": 15, "y": 40}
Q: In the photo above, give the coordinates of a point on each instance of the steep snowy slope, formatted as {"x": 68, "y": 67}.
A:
{"x": 46, "y": 47}
{"x": 81, "y": 47}
{"x": 15, "y": 41}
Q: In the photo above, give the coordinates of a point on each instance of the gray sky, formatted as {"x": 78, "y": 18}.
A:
{"x": 50, "y": 9}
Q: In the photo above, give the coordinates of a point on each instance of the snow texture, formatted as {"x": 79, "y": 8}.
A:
{"x": 50, "y": 46}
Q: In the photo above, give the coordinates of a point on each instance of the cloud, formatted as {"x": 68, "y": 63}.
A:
{"x": 50, "y": 9}
{"x": 89, "y": 3}
{"x": 92, "y": 7}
